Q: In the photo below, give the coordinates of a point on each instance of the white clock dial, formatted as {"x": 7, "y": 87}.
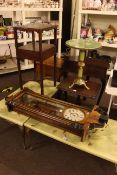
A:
{"x": 74, "y": 114}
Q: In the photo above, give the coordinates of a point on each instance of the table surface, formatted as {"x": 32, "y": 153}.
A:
{"x": 83, "y": 44}
{"x": 101, "y": 143}
{"x": 36, "y": 27}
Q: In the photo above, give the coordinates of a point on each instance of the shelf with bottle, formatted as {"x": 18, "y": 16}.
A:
{"x": 99, "y": 5}
{"x": 10, "y": 4}
{"x": 9, "y": 66}
{"x": 7, "y": 35}
{"x": 5, "y": 9}
{"x": 97, "y": 12}
{"x": 105, "y": 44}
{"x": 27, "y": 39}
{"x": 107, "y": 37}
{"x": 42, "y": 5}
{"x": 7, "y": 32}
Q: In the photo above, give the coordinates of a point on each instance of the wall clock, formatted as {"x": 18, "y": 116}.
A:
{"x": 74, "y": 114}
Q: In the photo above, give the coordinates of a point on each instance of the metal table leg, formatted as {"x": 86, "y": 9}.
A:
{"x": 110, "y": 103}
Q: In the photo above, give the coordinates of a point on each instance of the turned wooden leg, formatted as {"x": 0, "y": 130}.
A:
{"x": 19, "y": 71}
{"x": 85, "y": 131}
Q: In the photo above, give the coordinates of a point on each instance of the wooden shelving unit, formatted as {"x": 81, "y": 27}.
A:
{"x": 98, "y": 14}
{"x": 93, "y": 12}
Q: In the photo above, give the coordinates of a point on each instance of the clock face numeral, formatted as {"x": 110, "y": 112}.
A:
{"x": 74, "y": 114}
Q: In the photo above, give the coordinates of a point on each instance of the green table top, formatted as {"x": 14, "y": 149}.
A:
{"x": 83, "y": 44}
